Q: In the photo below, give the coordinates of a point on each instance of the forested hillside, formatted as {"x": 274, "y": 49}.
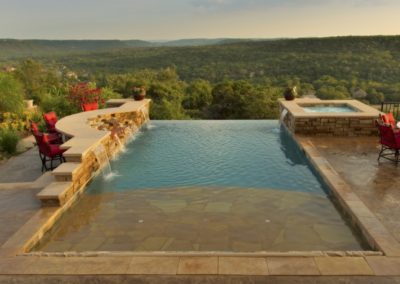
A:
{"x": 225, "y": 79}
{"x": 13, "y": 48}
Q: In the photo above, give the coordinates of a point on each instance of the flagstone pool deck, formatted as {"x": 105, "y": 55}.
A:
{"x": 345, "y": 162}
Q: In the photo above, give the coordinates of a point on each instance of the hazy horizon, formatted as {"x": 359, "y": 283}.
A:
{"x": 190, "y": 19}
{"x": 195, "y": 38}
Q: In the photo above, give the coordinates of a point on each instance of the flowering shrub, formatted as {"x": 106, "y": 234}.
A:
{"x": 85, "y": 93}
{"x": 18, "y": 122}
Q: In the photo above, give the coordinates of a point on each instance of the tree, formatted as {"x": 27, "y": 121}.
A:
{"x": 228, "y": 100}
{"x": 31, "y": 74}
{"x": 332, "y": 93}
{"x": 167, "y": 101}
{"x": 11, "y": 94}
{"x": 198, "y": 98}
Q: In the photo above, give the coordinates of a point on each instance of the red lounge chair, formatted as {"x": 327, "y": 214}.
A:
{"x": 90, "y": 106}
{"x": 390, "y": 142}
{"x": 48, "y": 152}
{"x": 54, "y": 138}
{"x": 51, "y": 119}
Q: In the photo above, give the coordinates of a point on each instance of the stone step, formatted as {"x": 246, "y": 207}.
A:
{"x": 56, "y": 194}
{"x": 66, "y": 171}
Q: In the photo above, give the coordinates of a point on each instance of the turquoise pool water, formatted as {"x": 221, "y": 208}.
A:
{"x": 237, "y": 186}
{"x": 253, "y": 154}
{"x": 329, "y": 108}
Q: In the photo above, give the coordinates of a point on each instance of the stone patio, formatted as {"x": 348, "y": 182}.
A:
{"x": 376, "y": 184}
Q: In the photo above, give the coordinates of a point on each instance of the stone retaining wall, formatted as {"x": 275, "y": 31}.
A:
{"x": 72, "y": 176}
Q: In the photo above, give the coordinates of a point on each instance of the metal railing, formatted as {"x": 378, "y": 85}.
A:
{"x": 393, "y": 107}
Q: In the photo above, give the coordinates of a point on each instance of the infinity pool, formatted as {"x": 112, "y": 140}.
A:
{"x": 240, "y": 186}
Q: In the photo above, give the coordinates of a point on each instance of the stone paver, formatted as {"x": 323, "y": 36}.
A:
{"x": 385, "y": 265}
{"x": 242, "y": 266}
{"x": 153, "y": 265}
{"x": 292, "y": 266}
{"x": 343, "y": 266}
{"x": 198, "y": 265}
{"x": 195, "y": 279}
{"x": 17, "y": 206}
{"x": 25, "y": 167}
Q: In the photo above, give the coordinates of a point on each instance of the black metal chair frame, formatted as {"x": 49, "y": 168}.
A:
{"x": 46, "y": 159}
{"x": 388, "y": 154}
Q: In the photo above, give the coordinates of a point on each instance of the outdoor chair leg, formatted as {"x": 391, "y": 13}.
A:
{"x": 43, "y": 159}
{"x": 380, "y": 153}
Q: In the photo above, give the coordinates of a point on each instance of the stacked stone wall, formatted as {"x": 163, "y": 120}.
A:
{"x": 331, "y": 126}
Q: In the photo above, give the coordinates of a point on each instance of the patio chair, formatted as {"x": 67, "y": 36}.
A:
{"x": 54, "y": 138}
{"x": 51, "y": 119}
{"x": 90, "y": 106}
{"x": 390, "y": 142}
{"x": 48, "y": 152}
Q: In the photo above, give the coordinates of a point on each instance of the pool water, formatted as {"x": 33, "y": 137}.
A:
{"x": 329, "y": 108}
{"x": 252, "y": 154}
{"x": 240, "y": 186}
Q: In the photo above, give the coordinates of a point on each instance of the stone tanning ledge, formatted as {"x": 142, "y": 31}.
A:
{"x": 71, "y": 177}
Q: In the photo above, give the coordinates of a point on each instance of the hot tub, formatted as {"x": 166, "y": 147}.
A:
{"x": 329, "y": 117}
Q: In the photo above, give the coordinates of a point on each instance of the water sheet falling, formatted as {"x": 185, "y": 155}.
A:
{"x": 101, "y": 155}
{"x": 283, "y": 115}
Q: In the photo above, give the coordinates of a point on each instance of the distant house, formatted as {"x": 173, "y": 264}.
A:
{"x": 71, "y": 75}
{"x": 359, "y": 94}
{"x": 9, "y": 69}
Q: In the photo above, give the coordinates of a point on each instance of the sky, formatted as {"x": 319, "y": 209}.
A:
{"x": 176, "y": 19}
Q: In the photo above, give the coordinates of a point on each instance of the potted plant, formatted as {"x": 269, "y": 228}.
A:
{"x": 290, "y": 93}
{"x": 86, "y": 96}
{"x": 138, "y": 93}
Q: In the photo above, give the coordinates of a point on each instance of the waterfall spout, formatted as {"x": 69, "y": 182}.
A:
{"x": 101, "y": 155}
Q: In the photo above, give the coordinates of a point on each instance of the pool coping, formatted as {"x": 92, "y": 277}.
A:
{"x": 14, "y": 260}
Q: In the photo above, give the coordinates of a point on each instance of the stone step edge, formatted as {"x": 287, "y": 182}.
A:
{"x": 54, "y": 194}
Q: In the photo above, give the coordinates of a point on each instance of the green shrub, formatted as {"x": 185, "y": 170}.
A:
{"x": 11, "y": 94}
{"x": 108, "y": 93}
{"x": 9, "y": 140}
{"x": 59, "y": 104}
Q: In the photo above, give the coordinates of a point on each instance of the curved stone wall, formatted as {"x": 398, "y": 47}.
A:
{"x": 107, "y": 128}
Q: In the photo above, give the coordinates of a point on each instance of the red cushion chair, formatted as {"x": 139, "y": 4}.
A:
{"x": 51, "y": 119}
{"x": 90, "y": 106}
{"x": 48, "y": 152}
{"x": 54, "y": 138}
{"x": 390, "y": 142}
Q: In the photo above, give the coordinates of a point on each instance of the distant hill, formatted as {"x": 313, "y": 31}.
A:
{"x": 375, "y": 58}
{"x": 14, "y": 48}
{"x": 197, "y": 42}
